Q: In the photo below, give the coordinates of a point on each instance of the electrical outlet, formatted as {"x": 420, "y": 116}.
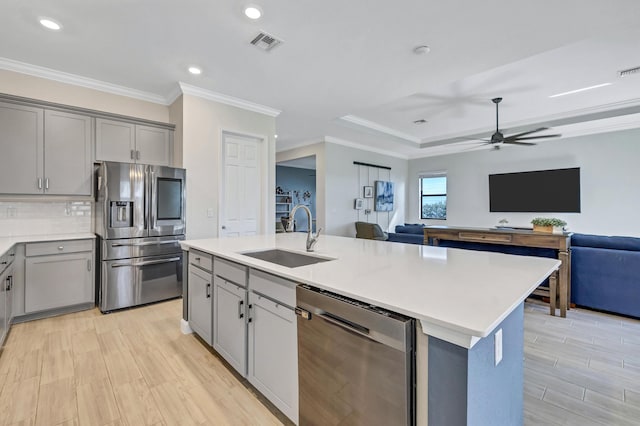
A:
{"x": 209, "y": 212}
{"x": 498, "y": 346}
{"x": 12, "y": 212}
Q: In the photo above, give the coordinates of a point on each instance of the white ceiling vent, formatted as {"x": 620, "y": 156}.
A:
{"x": 265, "y": 41}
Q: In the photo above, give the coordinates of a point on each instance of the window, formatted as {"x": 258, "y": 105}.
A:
{"x": 433, "y": 197}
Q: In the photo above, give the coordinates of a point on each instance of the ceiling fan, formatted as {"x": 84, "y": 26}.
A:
{"x": 497, "y": 139}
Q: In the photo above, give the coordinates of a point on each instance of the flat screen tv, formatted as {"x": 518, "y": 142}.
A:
{"x": 541, "y": 191}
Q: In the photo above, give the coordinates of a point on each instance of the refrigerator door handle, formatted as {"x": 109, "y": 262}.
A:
{"x": 154, "y": 199}
{"x": 147, "y": 243}
{"x": 148, "y": 262}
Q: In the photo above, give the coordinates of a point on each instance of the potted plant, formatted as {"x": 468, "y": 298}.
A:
{"x": 547, "y": 224}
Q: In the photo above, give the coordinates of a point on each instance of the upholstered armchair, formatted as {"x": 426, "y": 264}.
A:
{"x": 370, "y": 231}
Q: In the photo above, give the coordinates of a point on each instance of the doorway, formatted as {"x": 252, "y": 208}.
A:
{"x": 296, "y": 184}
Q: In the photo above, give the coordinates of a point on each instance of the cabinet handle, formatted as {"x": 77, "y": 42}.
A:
{"x": 208, "y": 290}
{"x": 250, "y": 307}
{"x": 46, "y": 184}
{"x": 240, "y": 313}
{"x": 137, "y": 155}
{"x": 10, "y": 282}
{"x": 133, "y": 157}
{"x": 88, "y": 264}
{"x": 60, "y": 247}
{"x": 197, "y": 259}
{"x": 39, "y": 183}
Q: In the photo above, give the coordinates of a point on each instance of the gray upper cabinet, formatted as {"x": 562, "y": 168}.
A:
{"x": 22, "y": 146}
{"x": 132, "y": 143}
{"x": 153, "y": 145}
{"x": 46, "y": 151}
{"x": 67, "y": 153}
{"x": 115, "y": 141}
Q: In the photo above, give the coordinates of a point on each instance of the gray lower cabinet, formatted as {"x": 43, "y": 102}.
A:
{"x": 58, "y": 274}
{"x": 230, "y": 330}
{"x": 273, "y": 353}
{"x": 200, "y": 302}
{"x": 273, "y": 340}
{"x": 44, "y": 151}
{"x": 6, "y": 284}
{"x": 132, "y": 143}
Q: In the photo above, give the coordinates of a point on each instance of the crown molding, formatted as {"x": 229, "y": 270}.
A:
{"x": 76, "y": 80}
{"x": 188, "y": 89}
{"x": 174, "y": 94}
{"x": 363, "y": 147}
{"x": 380, "y": 128}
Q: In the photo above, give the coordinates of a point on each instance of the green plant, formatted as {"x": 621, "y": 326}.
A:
{"x": 548, "y": 221}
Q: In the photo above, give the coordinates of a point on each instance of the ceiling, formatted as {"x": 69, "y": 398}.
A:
{"x": 346, "y": 71}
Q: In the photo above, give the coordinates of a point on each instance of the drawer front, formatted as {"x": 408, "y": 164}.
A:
{"x": 491, "y": 238}
{"x": 58, "y": 247}
{"x": 273, "y": 287}
{"x": 203, "y": 260}
{"x": 230, "y": 271}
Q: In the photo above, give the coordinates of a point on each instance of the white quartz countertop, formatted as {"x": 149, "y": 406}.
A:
{"x": 7, "y": 242}
{"x": 458, "y": 295}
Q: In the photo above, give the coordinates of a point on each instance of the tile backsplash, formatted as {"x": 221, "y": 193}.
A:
{"x": 44, "y": 217}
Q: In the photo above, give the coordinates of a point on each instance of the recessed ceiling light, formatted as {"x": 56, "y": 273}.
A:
{"x": 50, "y": 24}
{"x": 421, "y": 50}
{"x": 253, "y": 12}
{"x": 275, "y": 136}
{"x": 421, "y": 121}
{"x": 584, "y": 89}
{"x": 195, "y": 70}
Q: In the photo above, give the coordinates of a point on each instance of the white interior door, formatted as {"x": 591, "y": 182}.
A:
{"x": 241, "y": 186}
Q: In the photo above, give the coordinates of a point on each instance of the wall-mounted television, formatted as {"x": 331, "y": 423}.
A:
{"x": 540, "y": 191}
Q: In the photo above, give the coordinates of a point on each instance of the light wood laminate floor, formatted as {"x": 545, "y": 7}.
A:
{"x": 580, "y": 370}
{"x": 134, "y": 367}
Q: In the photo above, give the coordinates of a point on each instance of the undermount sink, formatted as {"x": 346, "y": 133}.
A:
{"x": 286, "y": 258}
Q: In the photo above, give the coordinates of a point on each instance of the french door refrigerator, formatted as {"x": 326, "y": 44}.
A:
{"x": 139, "y": 220}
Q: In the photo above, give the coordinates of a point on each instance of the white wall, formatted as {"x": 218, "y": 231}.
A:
{"x": 28, "y": 86}
{"x": 343, "y": 186}
{"x": 610, "y": 182}
{"x": 203, "y": 122}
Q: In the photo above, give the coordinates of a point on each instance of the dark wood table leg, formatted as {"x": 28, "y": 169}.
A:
{"x": 564, "y": 284}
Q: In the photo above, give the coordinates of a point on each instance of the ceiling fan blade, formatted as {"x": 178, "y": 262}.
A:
{"x": 512, "y": 142}
{"x": 533, "y": 137}
{"x": 527, "y": 133}
{"x": 475, "y": 139}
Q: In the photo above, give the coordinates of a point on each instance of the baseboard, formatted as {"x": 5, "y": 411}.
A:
{"x": 184, "y": 326}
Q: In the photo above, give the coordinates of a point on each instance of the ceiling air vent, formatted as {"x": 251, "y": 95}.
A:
{"x": 265, "y": 41}
{"x": 627, "y": 72}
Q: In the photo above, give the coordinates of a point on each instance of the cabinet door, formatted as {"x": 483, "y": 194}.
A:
{"x": 153, "y": 145}
{"x": 230, "y": 331}
{"x": 3, "y": 308}
{"x": 273, "y": 353}
{"x": 67, "y": 153}
{"x": 21, "y": 147}
{"x": 200, "y": 291}
{"x": 57, "y": 281}
{"x": 115, "y": 141}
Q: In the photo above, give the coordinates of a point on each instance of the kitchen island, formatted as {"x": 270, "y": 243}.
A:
{"x": 460, "y": 299}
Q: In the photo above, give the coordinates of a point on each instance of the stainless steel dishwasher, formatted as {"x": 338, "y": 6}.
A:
{"x": 356, "y": 362}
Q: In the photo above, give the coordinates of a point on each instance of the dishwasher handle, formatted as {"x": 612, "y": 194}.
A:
{"x": 347, "y": 325}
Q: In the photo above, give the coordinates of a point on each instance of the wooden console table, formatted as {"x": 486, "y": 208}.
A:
{"x": 523, "y": 238}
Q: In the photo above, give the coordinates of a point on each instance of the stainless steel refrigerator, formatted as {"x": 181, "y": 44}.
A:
{"x": 140, "y": 220}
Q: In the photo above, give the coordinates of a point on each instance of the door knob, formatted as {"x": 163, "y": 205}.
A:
{"x": 224, "y": 227}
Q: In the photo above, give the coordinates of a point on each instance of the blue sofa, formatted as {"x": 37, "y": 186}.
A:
{"x": 605, "y": 273}
{"x": 410, "y": 233}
